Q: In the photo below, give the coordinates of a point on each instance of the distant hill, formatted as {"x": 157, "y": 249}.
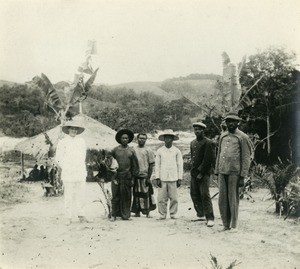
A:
{"x": 146, "y": 86}
{"x": 90, "y": 103}
{"x": 61, "y": 84}
{"x": 193, "y": 86}
{"x": 8, "y": 83}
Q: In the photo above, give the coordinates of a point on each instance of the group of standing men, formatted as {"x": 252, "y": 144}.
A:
{"x": 135, "y": 166}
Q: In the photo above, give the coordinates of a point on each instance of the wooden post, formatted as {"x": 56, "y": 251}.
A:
{"x": 22, "y": 165}
{"x": 80, "y": 107}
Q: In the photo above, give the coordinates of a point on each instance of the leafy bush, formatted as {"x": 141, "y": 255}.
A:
{"x": 284, "y": 184}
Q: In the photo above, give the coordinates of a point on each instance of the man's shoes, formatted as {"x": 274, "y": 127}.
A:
{"x": 233, "y": 230}
{"x": 113, "y": 219}
{"x": 137, "y": 215}
{"x": 224, "y": 229}
{"x": 173, "y": 217}
{"x": 202, "y": 218}
{"x": 210, "y": 223}
{"x": 82, "y": 219}
{"x": 161, "y": 218}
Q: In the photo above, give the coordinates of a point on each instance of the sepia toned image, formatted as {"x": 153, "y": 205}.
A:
{"x": 149, "y": 134}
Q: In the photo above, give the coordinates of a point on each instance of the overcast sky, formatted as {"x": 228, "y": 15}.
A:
{"x": 139, "y": 40}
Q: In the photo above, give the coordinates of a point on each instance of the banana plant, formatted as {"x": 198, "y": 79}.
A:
{"x": 74, "y": 93}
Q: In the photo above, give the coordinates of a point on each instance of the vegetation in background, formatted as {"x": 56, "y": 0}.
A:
{"x": 215, "y": 264}
{"x": 269, "y": 107}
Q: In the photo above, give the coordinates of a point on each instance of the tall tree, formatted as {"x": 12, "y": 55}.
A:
{"x": 273, "y": 69}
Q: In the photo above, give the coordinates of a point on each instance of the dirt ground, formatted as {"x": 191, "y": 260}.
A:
{"x": 34, "y": 235}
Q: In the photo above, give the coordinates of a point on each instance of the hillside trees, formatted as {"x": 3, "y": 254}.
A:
{"x": 141, "y": 112}
{"x": 23, "y": 112}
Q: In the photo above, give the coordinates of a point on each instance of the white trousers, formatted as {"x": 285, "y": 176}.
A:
{"x": 74, "y": 193}
{"x": 167, "y": 191}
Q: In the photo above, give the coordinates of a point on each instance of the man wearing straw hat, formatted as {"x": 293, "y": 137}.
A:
{"x": 202, "y": 160}
{"x": 168, "y": 172}
{"x": 232, "y": 166}
{"x": 128, "y": 168}
{"x": 70, "y": 157}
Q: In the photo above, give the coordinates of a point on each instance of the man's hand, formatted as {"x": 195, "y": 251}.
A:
{"x": 158, "y": 182}
{"x": 148, "y": 182}
{"x": 199, "y": 176}
{"x": 241, "y": 182}
{"x": 178, "y": 183}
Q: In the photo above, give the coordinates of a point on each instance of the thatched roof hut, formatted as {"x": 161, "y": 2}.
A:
{"x": 96, "y": 136}
{"x": 9, "y": 143}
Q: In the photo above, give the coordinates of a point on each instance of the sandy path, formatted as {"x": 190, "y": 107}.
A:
{"x": 33, "y": 235}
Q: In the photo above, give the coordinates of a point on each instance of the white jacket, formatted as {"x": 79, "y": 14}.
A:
{"x": 168, "y": 164}
{"x": 70, "y": 156}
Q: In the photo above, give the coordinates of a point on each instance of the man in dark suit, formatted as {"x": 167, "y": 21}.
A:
{"x": 203, "y": 159}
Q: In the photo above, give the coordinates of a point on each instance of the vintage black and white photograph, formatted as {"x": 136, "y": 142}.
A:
{"x": 147, "y": 134}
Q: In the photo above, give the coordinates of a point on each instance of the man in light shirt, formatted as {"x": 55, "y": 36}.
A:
{"x": 168, "y": 173}
{"x": 70, "y": 157}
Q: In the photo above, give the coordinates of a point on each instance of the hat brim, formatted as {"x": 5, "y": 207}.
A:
{"x": 162, "y": 137}
{"x": 199, "y": 125}
{"x": 233, "y": 118}
{"x": 124, "y": 131}
{"x": 65, "y": 129}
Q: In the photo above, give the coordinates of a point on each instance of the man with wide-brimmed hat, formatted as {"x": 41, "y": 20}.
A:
{"x": 128, "y": 168}
{"x": 168, "y": 173}
{"x": 70, "y": 157}
{"x": 203, "y": 159}
{"x": 232, "y": 166}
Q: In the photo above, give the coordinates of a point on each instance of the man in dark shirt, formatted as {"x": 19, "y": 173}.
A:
{"x": 128, "y": 168}
{"x": 203, "y": 159}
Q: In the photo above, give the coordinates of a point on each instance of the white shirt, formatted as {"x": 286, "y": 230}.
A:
{"x": 70, "y": 156}
{"x": 168, "y": 164}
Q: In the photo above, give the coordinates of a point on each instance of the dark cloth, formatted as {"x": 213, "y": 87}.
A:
{"x": 121, "y": 197}
{"x": 229, "y": 199}
{"x": 201, "y": 197}
{"x": 122, "y": 192}
{"x": 34, "y": 174}
{"x": 142, "y": 196}
{"x": 203, "y": 156}
{"x": 44, "y": 175}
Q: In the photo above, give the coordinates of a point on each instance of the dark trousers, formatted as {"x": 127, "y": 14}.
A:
{"x": 121, "y": 198}
{"x": 229, "y": 199}
{"x": 201, "y": 197}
